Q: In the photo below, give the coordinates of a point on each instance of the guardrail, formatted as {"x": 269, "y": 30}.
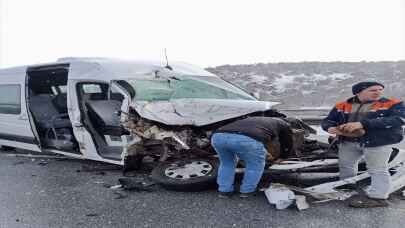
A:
{"x": 310, "y": 116}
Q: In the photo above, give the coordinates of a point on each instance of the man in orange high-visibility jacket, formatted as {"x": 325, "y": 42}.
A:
{"x": 366, "y": 125}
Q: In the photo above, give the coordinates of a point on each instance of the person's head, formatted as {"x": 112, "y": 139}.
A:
{"x": 368, "y": 91}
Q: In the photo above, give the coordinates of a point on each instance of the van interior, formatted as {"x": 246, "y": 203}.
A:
{"x": 100, "y": 107}
{"x": 47, "y": 102}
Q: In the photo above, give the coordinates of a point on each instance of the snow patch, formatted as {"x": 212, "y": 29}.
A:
{"x": 292, "y": 81}
{"x": 258, "y": 78}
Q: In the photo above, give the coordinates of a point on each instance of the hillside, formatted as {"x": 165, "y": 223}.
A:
{"x": 312, "y": 84}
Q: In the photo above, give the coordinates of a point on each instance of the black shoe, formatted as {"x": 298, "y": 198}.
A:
{"x": 366, "y": 202}
{"x": 225, "y": 194}
{"x": 247, "y": 194}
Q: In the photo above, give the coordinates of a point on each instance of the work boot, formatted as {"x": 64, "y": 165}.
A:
{"x": 225, "y": 194}
{"x": 366, "y": 202}
{"x": 247, "y": 194}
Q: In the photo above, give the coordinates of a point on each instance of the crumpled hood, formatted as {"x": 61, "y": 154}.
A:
{"x": 197, "y": 112}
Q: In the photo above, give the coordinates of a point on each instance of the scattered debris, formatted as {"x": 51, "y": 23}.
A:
{"x": 99, "y": 169}
{"x": 279, "y": 195}
{"x": 301, "y": 202}
{"x": 332, "y": 194}
{"x": 119, "y": 195}
{"x": 118, "y": 186}
{"x": 105, "y": 185}
{"x": 42, "y": 163}
{"x": 135, "y": 185}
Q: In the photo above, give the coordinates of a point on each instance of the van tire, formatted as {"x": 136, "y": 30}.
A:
{"x": 7, "y": 148}
{"x": 175, "y": 175}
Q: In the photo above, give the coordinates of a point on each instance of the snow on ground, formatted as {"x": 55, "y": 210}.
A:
{"x": 282, "y": 82}
{"x": 340, "y": 76}
{"x": 259, "y": 79}
{"x": 285, "y": 81}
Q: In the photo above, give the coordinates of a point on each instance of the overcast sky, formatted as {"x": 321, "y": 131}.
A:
{"x": 203, "y": 32}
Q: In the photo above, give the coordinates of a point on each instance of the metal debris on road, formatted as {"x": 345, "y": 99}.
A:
{"x": 280, "y": 195}
{"x": 135, "y": 184}
{"x": 301, "y": 202}
{"x": 118, "y": 186}
{"x": 42, "y": 163}
{"x": 119, "y": 195}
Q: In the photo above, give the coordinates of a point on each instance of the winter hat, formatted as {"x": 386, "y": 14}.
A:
{"x": 357, "y": 88}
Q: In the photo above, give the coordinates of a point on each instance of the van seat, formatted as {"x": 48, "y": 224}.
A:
{"x": 43, "y": 109}
{"x": 60, "y": 101}
{"x": 49, "y": 120}
{"x": 104, "y": 115}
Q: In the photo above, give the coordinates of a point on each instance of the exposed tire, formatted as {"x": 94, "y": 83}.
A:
{"x": 187, "y": 175}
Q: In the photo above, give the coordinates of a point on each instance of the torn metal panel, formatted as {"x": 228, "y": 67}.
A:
{"x": 398, "y": 180}
{"x": 198, "y": 112}
{"x": 293, "y": 165}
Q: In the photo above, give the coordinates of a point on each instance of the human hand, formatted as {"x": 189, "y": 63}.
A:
{"x": 350, "y": 127}
{"x": 332, "y": 130}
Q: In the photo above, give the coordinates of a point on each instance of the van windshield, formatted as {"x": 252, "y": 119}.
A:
{"x": 187, "y": 87}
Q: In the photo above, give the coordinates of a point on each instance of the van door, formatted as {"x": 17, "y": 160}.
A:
{"x": 96, "y": 120}
{"x": 15, "y": 127}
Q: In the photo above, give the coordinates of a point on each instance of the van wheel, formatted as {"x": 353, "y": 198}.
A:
{"x": 7, "y": 148}
{"x": 186, "y": 175}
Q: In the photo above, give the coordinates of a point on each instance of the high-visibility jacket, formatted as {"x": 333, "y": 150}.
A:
{"x": 383, "y": 122}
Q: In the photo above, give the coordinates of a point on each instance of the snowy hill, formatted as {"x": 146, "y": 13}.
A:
{"x": 313, "y": 84}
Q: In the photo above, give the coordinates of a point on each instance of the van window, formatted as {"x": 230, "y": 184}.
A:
{"x": 92, "y": 88}
{"x": 190, "y": 87}
{"x": 10, "y": 99}
{"x": 93, "y": 91}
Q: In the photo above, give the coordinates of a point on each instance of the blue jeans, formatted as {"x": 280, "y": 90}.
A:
{"x": 230, "y": 146}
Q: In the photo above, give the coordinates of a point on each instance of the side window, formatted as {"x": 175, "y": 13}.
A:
{"x": 94, "y": 91}
{"x": 10, "y": 99}
{"x": 92, "y": 88}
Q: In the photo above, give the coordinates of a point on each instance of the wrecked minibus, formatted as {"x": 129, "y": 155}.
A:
{"x": 125, "y": 112}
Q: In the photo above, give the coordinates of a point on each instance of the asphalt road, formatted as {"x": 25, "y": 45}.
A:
{"x": 73, "y": 193}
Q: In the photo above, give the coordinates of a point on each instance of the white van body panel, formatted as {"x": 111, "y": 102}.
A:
{"x": 112, "y": 69}
{"x": 15, "y": 129}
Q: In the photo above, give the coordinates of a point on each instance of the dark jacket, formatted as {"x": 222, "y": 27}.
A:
{"x": 263, "y": 129}
{"x": 383, "y": 123}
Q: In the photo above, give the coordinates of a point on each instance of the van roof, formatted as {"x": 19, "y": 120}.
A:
{"x": 108, "y": 68}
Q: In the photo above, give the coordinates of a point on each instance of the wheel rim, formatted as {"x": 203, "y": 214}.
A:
{"x": 189, "y": 170}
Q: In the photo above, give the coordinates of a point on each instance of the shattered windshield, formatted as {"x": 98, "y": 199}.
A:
{"x": 186, "y": 87}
